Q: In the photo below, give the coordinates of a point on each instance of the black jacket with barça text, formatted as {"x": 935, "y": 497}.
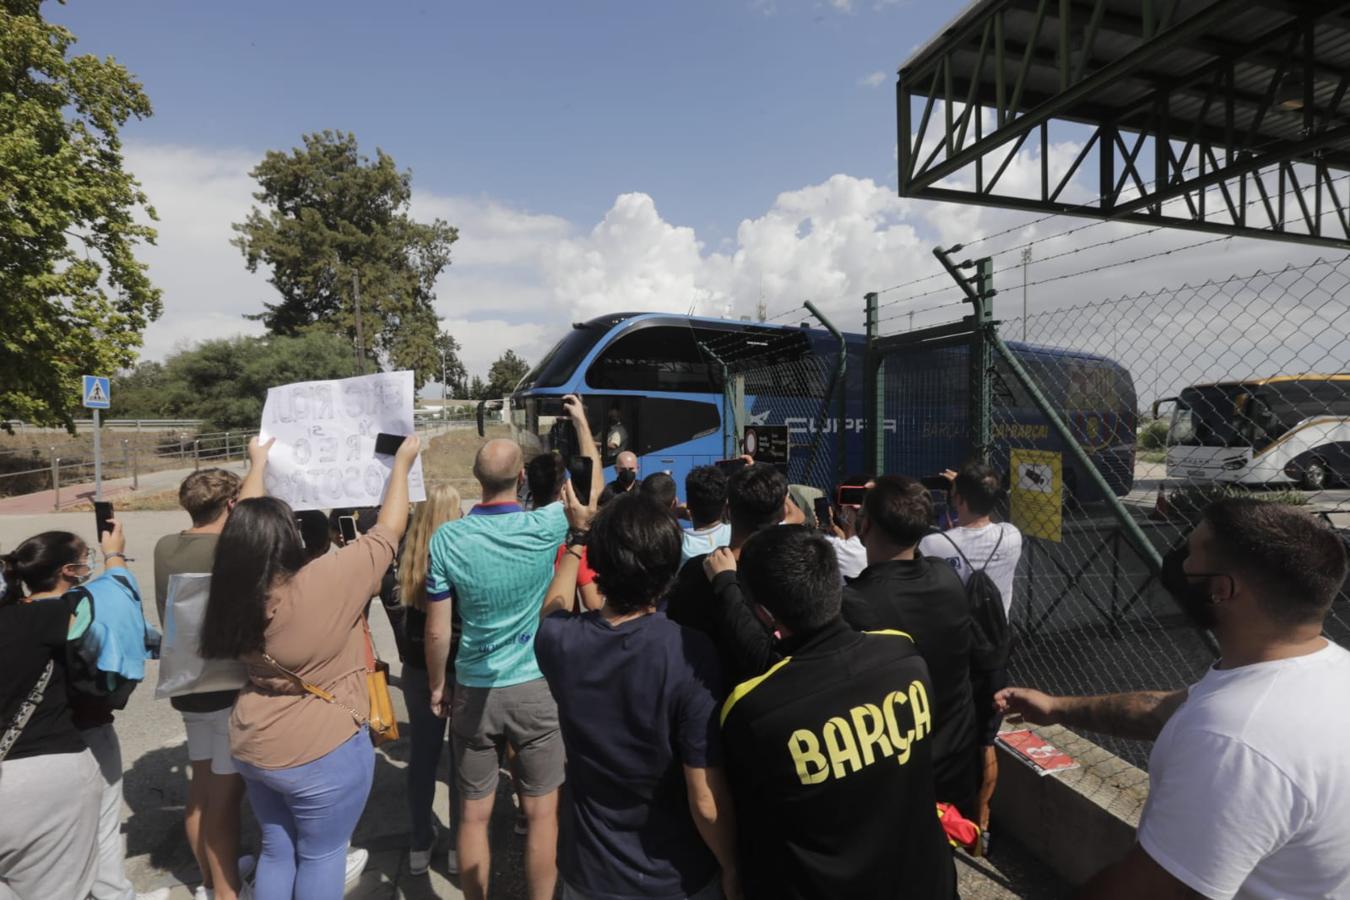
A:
{"x": 829, "y": 755}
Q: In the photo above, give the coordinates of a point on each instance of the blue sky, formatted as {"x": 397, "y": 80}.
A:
{"x": 711, "y": 107}
{"x": 596, "y": 157}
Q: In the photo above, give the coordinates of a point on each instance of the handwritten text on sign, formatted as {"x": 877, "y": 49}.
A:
{"x": 324, "y": 456}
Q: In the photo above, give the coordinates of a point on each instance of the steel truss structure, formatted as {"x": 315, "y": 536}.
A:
{"x": 1222, "y": 116}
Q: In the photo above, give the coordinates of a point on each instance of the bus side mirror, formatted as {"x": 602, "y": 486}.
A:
{"x": 1157, "y": 404}
{"x": 482, "y": 405}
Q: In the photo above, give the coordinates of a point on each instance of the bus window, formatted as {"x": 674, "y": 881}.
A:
{"x": 1212, "y": 418}
{"x": 644, "y": 425}
{"x": 667, "y": 422}
{"x": 655, "y": 358}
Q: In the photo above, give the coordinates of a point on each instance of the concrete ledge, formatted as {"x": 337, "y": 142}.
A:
{"x": 1076, "y": 822}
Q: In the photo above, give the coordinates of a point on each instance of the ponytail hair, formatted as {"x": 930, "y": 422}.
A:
{"x": 36, "y": 564}
{"x": 259, "y": 548}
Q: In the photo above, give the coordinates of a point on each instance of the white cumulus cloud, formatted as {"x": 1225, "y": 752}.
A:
{"x": 518, "y": 277}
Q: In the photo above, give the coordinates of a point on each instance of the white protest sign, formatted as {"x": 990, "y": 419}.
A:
{"x": 324, "y": 456}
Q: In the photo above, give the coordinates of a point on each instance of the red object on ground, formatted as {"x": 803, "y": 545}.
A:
{"x": 1037, "y": 752}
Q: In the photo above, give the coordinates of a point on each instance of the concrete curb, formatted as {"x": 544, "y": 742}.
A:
{"x": 1079, "y": 821}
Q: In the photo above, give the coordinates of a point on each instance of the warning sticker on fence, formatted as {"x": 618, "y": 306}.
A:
{"x": 1036, "y": 752}
{"x": 1038, "y": 493}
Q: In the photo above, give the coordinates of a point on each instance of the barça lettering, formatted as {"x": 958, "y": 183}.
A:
{"x": 870, "y": 733}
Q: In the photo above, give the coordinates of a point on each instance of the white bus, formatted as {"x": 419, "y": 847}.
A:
{"x": 1286, "y": 430}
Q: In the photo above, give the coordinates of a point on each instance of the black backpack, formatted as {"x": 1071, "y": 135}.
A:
{"x": 991, "y": 633}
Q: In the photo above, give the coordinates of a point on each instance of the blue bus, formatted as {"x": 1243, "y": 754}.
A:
{"x": 650, "y": 375}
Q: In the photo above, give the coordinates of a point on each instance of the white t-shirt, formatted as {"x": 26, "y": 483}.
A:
{"x": 978, "y": 545}
{"x": 704, "y": 540}
{"x": 851, "y": 553}
{"x": 1249, "y": 782}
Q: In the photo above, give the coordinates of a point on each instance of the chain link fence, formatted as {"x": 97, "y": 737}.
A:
{"x": 783, "y": 401}
{"x": 1178, "y": 397}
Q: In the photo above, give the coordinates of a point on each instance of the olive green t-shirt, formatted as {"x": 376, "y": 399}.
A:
{"x": 187, "y": 554}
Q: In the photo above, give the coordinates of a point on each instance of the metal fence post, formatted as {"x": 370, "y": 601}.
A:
{"x": 874, "y": 398}
{"x": 182, "y": 446}
{"x": 136, "y": 467}
{"x": 56, "y": 481}
{"x": 981, "y": 362}
{"x": 126, "y": 457}
{"x": 196, "y": 454}
{"x": 227, "y": 446}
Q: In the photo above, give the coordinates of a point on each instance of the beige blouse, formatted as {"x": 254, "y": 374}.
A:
{"x": 315, "y": 630}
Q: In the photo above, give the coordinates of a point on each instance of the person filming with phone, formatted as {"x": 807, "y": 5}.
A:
{"x": 495, "y": 565}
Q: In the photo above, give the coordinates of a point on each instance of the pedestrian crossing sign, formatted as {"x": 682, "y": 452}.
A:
{"x": 96, "y": 393}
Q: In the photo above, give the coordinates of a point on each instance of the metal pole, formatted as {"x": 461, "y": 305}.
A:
{"x": 136, "y": 467}
{"x": 1026, "y": 261}
{"x": 360, "y": 339}
{"x": 98, "y": 457}
{"x": 56, "y": 481}
{"x": 126, "y": 457}
{"x": 836, "y": 385}
{"x": 196, "y": 454}
{"x": 227, "y": 446}
{"x": 874, "y": 454}
{"x": 443, "y": 388}
{"x": 1142, "y": 544}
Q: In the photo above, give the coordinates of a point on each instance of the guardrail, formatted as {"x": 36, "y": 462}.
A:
{"x": 21, "y": 427}
{"x": 72, "y": 462}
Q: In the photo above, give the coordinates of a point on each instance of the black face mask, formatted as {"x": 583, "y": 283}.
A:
{"x": 1190, "y": 591}
{"x": 626, "y": 477}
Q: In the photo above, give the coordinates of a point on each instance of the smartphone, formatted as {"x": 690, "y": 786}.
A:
{"x": 583, "y": 473}
{"x": 935, "y": 483}
{"x": 347, "y": 528}
{"x": 823, "y": 516}
{"x": 731, "y": 466}
{"x": 851, "y": 494}
{"x": 388, "y": 444}
{"x": 103, "y": 513}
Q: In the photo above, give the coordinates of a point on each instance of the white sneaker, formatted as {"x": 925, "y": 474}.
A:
{"x": 157, "y": 894}
{"x": 356, "y": 864}
{"x": 420, "y": 860}
{"x": 452, "y": 862}
{"x": 203, "y": 893}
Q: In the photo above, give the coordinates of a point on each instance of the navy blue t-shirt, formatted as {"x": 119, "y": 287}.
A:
{"x": 637, "y": 702}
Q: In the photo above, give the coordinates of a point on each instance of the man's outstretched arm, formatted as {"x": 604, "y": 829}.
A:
{"x": 1140, "y": 715}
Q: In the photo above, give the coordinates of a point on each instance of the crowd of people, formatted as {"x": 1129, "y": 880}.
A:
{"x": 734, "y": 695}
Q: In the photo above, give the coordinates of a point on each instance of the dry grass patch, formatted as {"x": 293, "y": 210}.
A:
{"x": 449, "y": 457}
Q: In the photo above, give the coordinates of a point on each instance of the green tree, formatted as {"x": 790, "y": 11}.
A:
{"x": 505, "y": 374}
{"x": 329, "y": 216}
{"x": 225, "y": 381}
{"x": 454, "y": 369}
{"x": 76, "y": 299}
{"x": 477, "y": 389}
{"x": 140, "y": 393}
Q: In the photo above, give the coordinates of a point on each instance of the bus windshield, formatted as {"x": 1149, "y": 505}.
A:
{"x": 1207, "y": 416}
{"x": 558, "y": 364}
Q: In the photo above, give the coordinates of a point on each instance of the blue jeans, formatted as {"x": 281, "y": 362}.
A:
{"x": 308, "y": 814}
{"x": 428, "y": 741}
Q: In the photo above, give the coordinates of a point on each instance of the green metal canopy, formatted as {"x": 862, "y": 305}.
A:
{"x": 1224, "y": 116}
